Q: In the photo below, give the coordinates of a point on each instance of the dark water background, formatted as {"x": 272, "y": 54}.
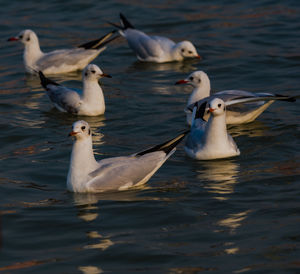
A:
{"x": 238, "y": 215}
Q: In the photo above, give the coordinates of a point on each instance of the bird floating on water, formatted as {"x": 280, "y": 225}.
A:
{"x": 111, "y": 174}
{"x": 251, "y": 106}
{"x": 90, "y": 101}
{"x": 62, "y": 60}
{"x": 210, "y": 140}
{"x": 156, "y": 49}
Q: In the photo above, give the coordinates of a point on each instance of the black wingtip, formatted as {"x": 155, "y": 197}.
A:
{"x": 100, "y": 42}
{"x": 125, "y": 22}
{"x": 167, "y": 146}
{"x": 115, "y": 25}
{"x": 201, "y": 111}
{"x": 288, "y": 99}
{"x": 46, "y": 81}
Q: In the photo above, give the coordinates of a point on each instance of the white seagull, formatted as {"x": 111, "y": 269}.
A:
{"x": 89, "y": 101}
{"x": 247, "y": 112}
{"x": 156, "y": 49}
{"x": 211, "y": 140}
{"x": 59, "y": 61}
{"x": 111, "y": 174}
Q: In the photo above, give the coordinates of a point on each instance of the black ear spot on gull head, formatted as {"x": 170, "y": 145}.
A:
{"x": 89, "y": 132}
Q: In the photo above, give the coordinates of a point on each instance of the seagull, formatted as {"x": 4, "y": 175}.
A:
{"x": 155, "y": 49}
{"x": 254, "y": 104}
{"x": 116, "y": 173}
{"x": 210, "y": 140}
{"x": 89, "y": 101}
{"x": 59, "y": 61}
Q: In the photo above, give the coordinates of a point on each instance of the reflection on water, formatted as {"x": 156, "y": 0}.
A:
{"x": 254, "y": 129}
{"x": 90, "y": 269}
{"x": 233, "y": 221}
{"x": 220, "y": 177}
{"x": 103, "y": 243}
{"x": 33, "y": 80}
{"x": 183, "y": 67}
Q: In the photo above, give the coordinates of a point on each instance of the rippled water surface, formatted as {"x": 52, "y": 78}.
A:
{"x": 239, "y": 215}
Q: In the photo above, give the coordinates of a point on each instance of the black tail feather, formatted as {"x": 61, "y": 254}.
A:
{"x": 99, "y": 43}
{"x": 125, "y": 22}
{"x": 166, "y": 146}
{"x": 46, "y": 81}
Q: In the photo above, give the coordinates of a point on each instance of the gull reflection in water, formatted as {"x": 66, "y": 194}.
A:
{"x": 33, "y": 80}
{"x": 219, "y": 176}
{"x": 90, "y": 269}
{"x": 183, "y": 67}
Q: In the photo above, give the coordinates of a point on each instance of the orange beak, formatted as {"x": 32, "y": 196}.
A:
{"x": 211, "y": 109}
{"x": 73, "y": 133}
{"x": 198, "y": 56}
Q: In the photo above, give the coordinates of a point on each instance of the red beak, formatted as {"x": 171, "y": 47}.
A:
{"x": 181, "y": 82}
{"x": 106, "y": 75}
{"x": 73, "y": 133}
{"x": 211, "y": 109}
{"x": 13, "y": 39}
{"x": 198, "y": 56}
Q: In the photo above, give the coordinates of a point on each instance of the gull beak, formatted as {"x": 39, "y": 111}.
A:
{"x": 198, "y": 56}
{"x": 105, "y": 75}
{"x": 181, "y": 82}
{"x": 72, "y": 133}
{"x": 13, "y": 39}
{"x": 211, "y": 109}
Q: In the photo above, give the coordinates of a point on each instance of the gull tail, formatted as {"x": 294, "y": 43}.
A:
{"x": 46, "y": 81}
{"x": 167, "y": 147}
{"x": 101, "y": 42}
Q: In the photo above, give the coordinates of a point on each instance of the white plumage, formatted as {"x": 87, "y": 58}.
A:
{"x": 90, "y": 101}
{"x": 58, "y": 61}
{"x": 117, "y": 173}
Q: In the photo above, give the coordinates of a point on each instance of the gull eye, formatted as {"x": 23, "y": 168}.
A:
{"x": 190, "y": 52}
{"x": 93, "y": 71}
{"x": 86, "y": 74}
{"x": 83, "y": 127}
{"x": 219, "y": 105}
{"x": 182, "y": 50}
{"x": 28, "y": 39}
{"x": 199, "y": 80}
{"x": 21, "y": 36}
{"x": 191, "y": 78}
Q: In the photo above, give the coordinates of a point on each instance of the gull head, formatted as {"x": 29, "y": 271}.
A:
{"x": 27, "y": 37}
{"x": 93, "y": 72}
{"x": 216, "y": 107}
{"x": 187, "y": 50}
{"x": 80, "y": 130}
{"x": 195, "y": 79}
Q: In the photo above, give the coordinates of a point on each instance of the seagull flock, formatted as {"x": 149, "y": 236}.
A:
{"x": 207, "y": 114}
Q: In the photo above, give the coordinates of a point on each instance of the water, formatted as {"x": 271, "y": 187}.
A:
{"x": 238, "y": 215}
